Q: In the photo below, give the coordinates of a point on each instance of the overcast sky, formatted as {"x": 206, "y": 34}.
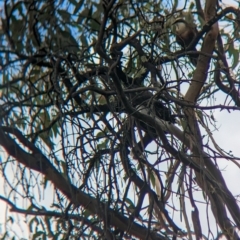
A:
{"x": 227, "y": 137}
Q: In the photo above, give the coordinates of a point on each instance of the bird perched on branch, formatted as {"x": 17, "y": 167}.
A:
{"x": 185, "y": 33}
{"x": 157, "y": 107}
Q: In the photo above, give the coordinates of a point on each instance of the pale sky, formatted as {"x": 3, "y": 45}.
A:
{"x": 227, "y": 137}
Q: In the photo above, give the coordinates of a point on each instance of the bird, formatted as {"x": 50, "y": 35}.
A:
{"x": 185, "y": 33}
{"x": 155, "y": 107}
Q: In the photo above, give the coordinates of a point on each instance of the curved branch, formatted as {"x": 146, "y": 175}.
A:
{"x": 54, "y": 214}
{"x": 38, "y": 162}
{"x": 210, "y": 173}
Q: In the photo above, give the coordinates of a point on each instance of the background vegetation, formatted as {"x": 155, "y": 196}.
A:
{"x": 106, "y": 126}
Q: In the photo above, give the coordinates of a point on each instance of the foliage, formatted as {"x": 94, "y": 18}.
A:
{"x": 106, "y": 126}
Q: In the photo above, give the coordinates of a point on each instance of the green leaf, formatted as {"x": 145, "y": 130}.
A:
{"x": 125, "y": 178}
{"x": 152, "y": 179}
{"x": 94, "y": 25}
{"x": 45, "y": 182}
{"x": 74, "y": 2}
{"x": 37, "y": 234}
{"x": 84, "y": 40}
{"x": 200, "y": 115}
{"x": 100, "y": 134}
{"x": 102, "y": 145}
{"x": 130, "y": 202}
{"x": 64, "y": 167}
{"x": 55, "y": 129}
{"x": 141, "y": 72}
{"x": 233, "y": 52}
{"x": 78, "y": 6}
{"x": 46, "y": 139}
{"x": 21, "y": 122}
{"x": 192, "y": 5}
{"x": 235, "y": 58}
{"x": 66, "y": 41}
{"x": 86, "y": 213}
{"x": 66, "y": 16}
{"x": 43, "y": 17}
